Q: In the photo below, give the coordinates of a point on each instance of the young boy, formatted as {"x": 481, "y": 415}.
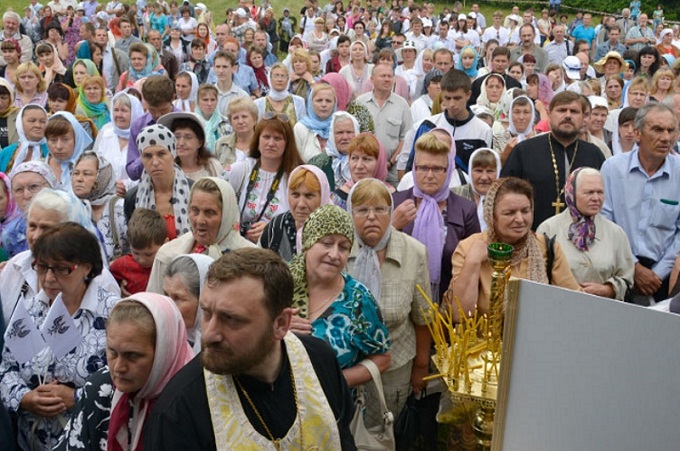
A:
{"x": 158, "y": 92}
{"x": 147, "y": 232}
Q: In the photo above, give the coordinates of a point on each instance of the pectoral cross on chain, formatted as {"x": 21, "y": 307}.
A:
{"x": 558, "y": 204}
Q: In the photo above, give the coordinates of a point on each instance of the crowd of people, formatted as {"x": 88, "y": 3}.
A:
{"x": 231, "y": 216}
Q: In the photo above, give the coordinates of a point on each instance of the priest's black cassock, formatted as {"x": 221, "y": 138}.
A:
{"x": 531, "y": 160}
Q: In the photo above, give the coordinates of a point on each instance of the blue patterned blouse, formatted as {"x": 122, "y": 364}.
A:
{"x": 352, "y": 325}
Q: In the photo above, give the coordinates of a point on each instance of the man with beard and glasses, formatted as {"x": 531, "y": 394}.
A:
{"x": 255, "y": 385}
{"x": 546, "y": 160}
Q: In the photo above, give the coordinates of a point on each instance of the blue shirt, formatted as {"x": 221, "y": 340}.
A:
{"x": 646, "y": 207}
{"x": 245, "y": 78}
{"x": 581, "y": 32}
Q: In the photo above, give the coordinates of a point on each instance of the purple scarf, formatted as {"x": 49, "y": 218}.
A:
{"x": 429, "y": 224}
{"x": 582, "y": 229}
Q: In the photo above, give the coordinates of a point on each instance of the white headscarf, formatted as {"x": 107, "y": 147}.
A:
{"x": 24, "y": 144}
{"x": 339, "y": 161}
{"x": 185, "y": 104}
{"x": 522, "y": 135}
{"x": 136, "y": 110}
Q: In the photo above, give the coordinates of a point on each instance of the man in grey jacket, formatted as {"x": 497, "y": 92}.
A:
{"x": 115, "y": 61}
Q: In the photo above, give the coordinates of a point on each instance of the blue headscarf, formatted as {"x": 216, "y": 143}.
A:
{"x": 152, "y": 62}
{"x": 320, "y": 127}
{"x": 82, "y": 142}
{"x": 471, "y": 72}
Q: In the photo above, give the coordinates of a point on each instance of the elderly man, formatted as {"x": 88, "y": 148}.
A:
{"x": 391, "y": 114}
{"x": 10, "y": 30}
{"x": 640, "y": 35}
{"x": 625, "y": 23}
{"x": 642, "y": 197}
{"x": 559, "y": 48}
{"x": 168, "y": 58}
{"x": 527, "y": 34}
{"x": 265, "y": 387}
{"x": 546, "y": 160}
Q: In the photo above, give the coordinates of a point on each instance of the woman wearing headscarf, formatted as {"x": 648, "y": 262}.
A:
{"x": 112, "y": 139}
{"x": 163, "y": 186}
{"x": 186, "y": 95}
{"x": 9, "y": 215}
{"x": 66, "y": 141}
{"x": 51, "y": 66}
{"x": 92, "y": 101}
{"x": 279, "y": 100}
{"x": 183, "y": 283}
{"x": 346, "y": 101}
{"x": 367, "y": 159}
{"x": 358, "y": 71}
{"x": 116, "y": 400}
{"x": 308, "y": 189}
{"x": 207, "y": 236}
{"x": 335, "y": 162}
{"x": 152, "y": 65}
{"x": 521, "y": 120}
{"x": 79, "y": 69}
{"x": 30, "y": 125}
{"x": 27, "y": 179}
{"x": 312, "y": 132}
{"x": 330, "y": 304}
{"x": 255, "y": 59}
{"x": 431, "y": 213}
{"x": 484, "y": 169}
{"x": 492, "y": 89}
{"x": 471, "y": 281}
{"x": 392, "y": 264}
{"x": 421, "y": 108}
{"x": 597, "y": 250}
{"x": 8, "y": 114}
{"x": 467, "y": 62}
{"x": 93, "y": 182}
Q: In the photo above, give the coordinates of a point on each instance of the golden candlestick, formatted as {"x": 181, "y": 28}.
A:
{"x": 468, "y": 355}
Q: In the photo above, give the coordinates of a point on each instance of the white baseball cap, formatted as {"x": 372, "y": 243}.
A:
{"x": 572, "y": 67}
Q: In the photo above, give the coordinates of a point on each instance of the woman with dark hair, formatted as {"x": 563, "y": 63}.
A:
{"x": 261, "y": 181}
{"x": 255, "y": 59}
{"x": 66, "y": 141}
{"x": 193, "y": 157}
{"x": 647, "y": 62}
{"x": 51, "y": 66}
{"x": 61, "y": 97}
{"x": 40, "y": 391}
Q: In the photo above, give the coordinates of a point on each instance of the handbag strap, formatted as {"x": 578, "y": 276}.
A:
{"x": 377, "y": 379}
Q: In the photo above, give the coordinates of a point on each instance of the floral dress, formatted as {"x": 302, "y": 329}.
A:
{"x": 72, "y": 37}
{"x": 72, "y": 370}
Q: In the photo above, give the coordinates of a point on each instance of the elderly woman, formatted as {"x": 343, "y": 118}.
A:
{"x": 597, "y": 250}
{"x": 278, "y": 99}
{"x": 193, "y": 157}
{"x": 144, "y": 62}
{"x": 92, "y": 101}
{"x": 332, "y": 305}
{"x": 40, "y": 391}
{"x": 31, "y": 146}
{"x": 66, "y": 141}
{"x": 508, "y": 213}
{"x": 26, "y": 180}
{"x": 367, "y": 159}
{"x": 183, "y": 283}
{"x": 431, "y": 213}
{"x": 492, "y": 89}
{"x": 485, "y": 168}
{"x": 93, "y": 182}
{"x": 30, "y": 85}
{"x": 146, "y": 344}
{"x": 335, "y": 162}
{"x": 163, "y": 186}
{"x": 261, "y": 181}
{"x": 213, "y": 214}
{"x": 392, "y": 264}
{"x": 242, "y": 116}
{"x": 521, "y": 120}
{"x": 112, "y": 139}
{"x": 308, "y": 189}
{"x": 312, "y": 131}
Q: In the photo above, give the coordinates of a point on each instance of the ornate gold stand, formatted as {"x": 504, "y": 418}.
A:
{"x": 468, "y": 356}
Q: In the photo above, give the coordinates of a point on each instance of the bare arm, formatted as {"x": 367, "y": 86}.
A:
{"x": 358, "y": 374}
{"x": 422, "y": 359}
{"x": 466, "y": 273}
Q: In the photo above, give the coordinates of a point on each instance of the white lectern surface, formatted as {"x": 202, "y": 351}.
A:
{"x": 591, "y": 374}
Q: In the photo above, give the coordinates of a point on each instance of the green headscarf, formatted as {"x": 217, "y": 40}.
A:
{"x": 325, "y": 220}
{"x": 89, "y": 66}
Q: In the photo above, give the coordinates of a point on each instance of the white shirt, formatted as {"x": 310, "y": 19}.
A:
{"x": 502, "y": 35}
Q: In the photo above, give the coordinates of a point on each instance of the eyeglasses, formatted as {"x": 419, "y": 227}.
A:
{"x": 269, "y": 115}
{"x": 58, "y": 271}
{"x": 433, "y": 169}
{"x": 362, "y": 212}
{"x": 32, "y": 189}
